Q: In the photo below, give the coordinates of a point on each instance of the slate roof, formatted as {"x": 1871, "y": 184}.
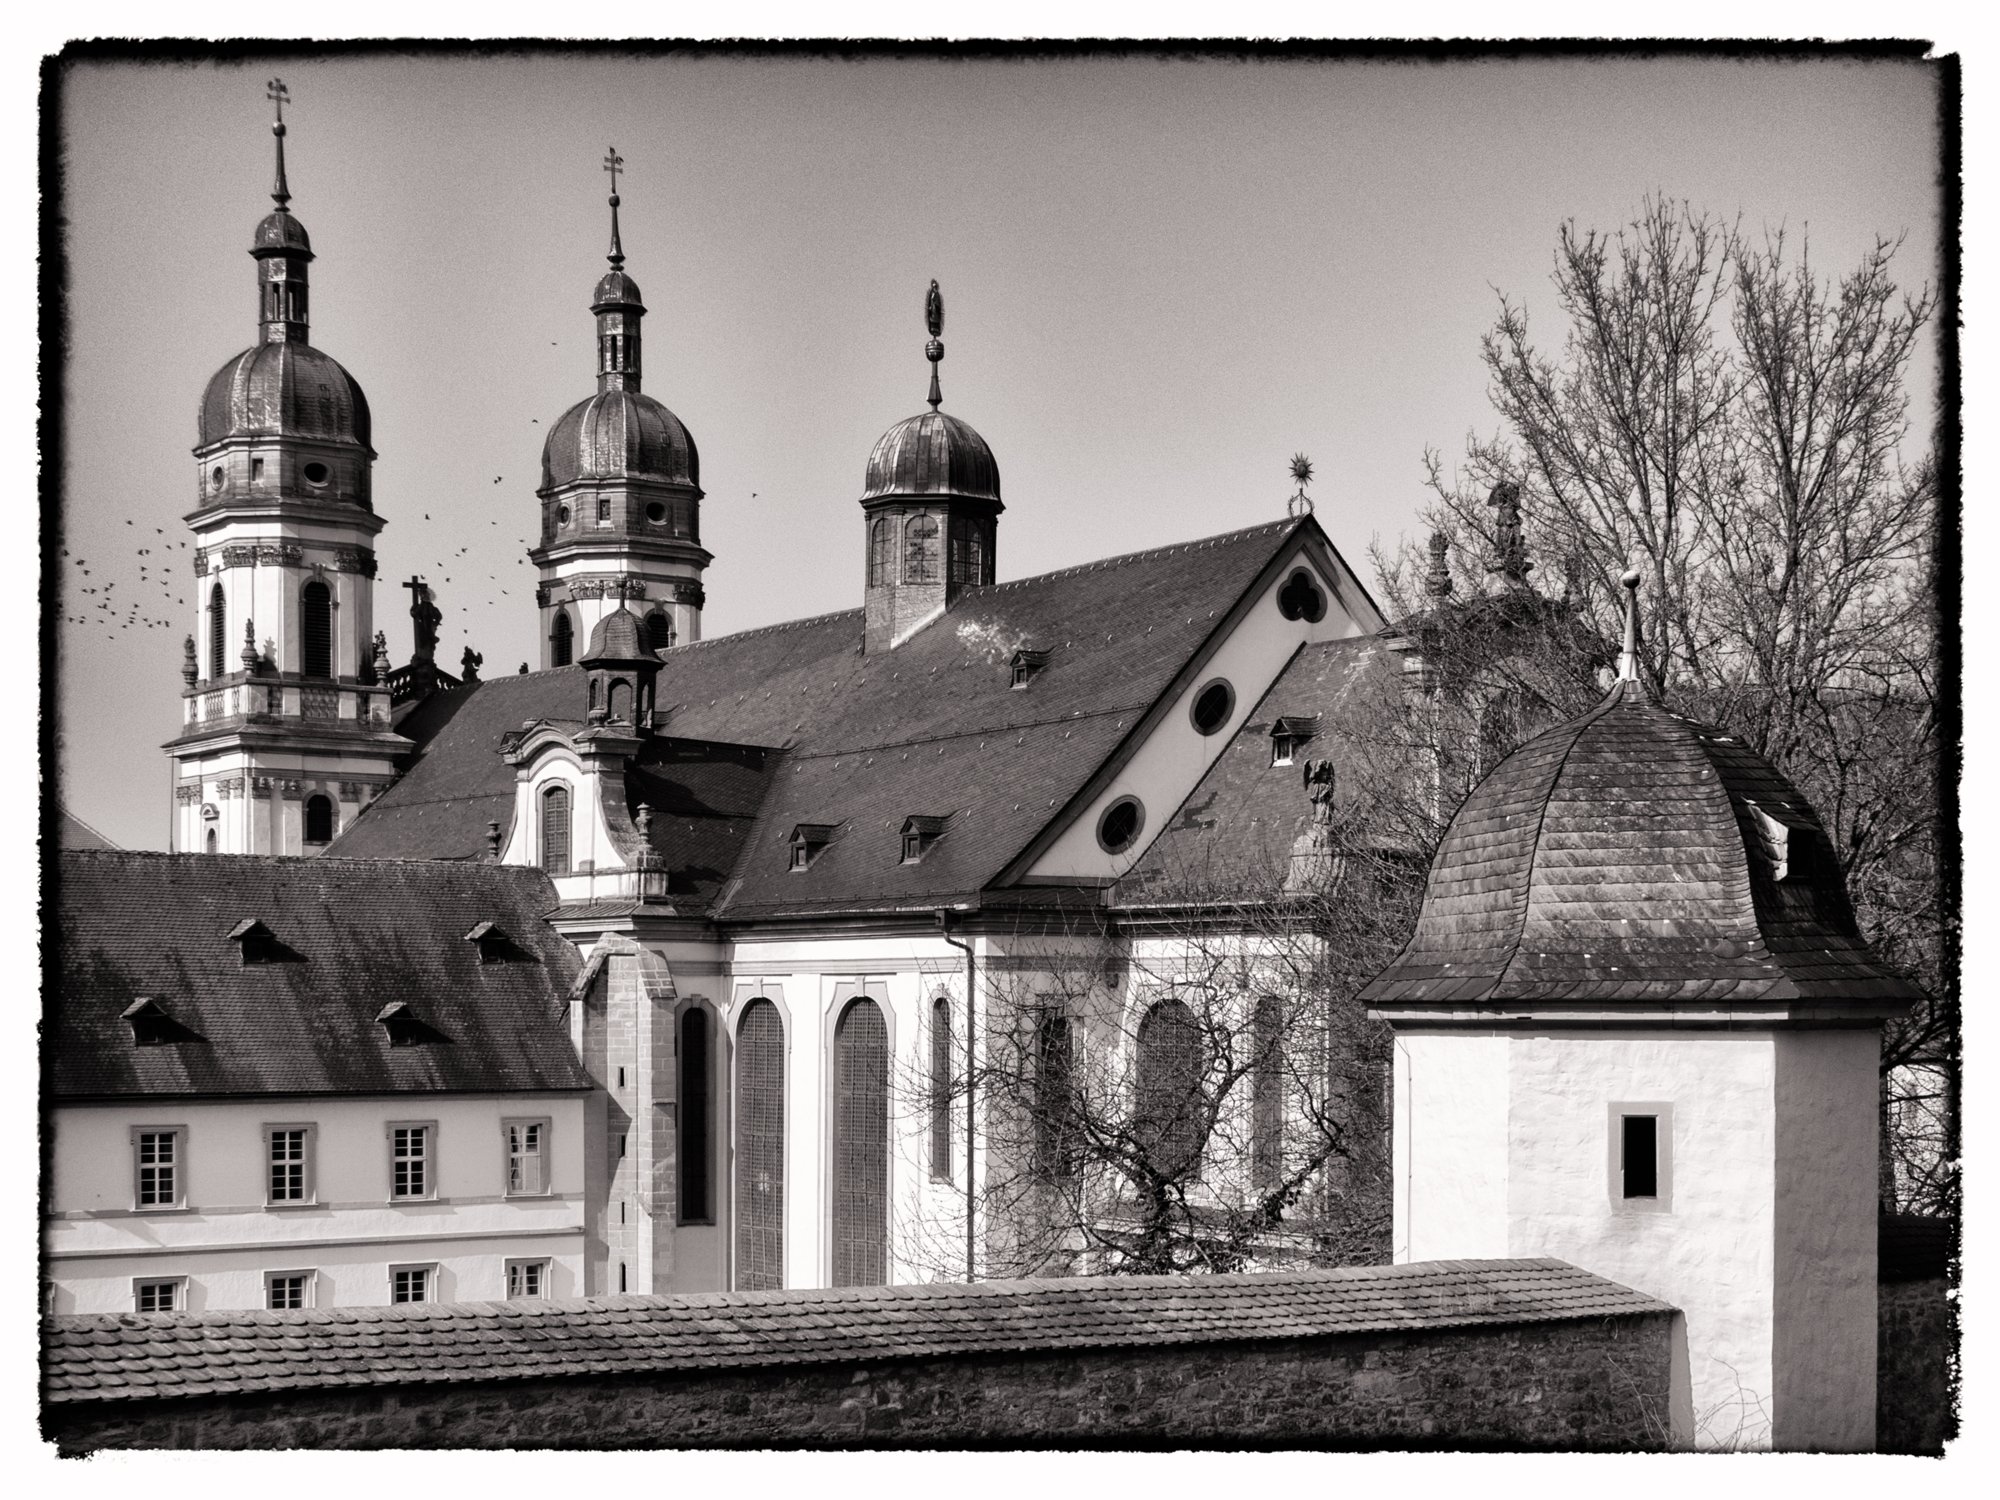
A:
{"x": 1622, "y": 857}
{"x": 934, "y": 728}
{"x": 360, "y": 934}
{"x": 126, "y": 1356}
{"x": 1236, "y": 828}
{"x": 74, "y": 833}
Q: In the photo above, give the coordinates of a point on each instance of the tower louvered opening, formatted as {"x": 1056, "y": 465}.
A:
{"x": 562, "y": 640}
{"x": 760, "y": 1149}
{"x": 316, "y": 630}
{"x": 861, "y": 1147}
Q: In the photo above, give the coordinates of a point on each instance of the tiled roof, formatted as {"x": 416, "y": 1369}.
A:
{"x": 123, "y": 1356}
{"x": 1623, "y": 857}
{"x": 355, "y": 934}
{"x": 74, "y": 833}
{"x": 1236, "y": 828}
{"x": 934, "y": 727}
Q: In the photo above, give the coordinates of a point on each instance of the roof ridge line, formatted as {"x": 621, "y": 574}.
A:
{"x": 965, "y": 734}
{"x": 1126, "y": 557}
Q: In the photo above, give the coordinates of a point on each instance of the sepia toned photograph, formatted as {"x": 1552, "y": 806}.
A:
{"x": 604, "y": 885}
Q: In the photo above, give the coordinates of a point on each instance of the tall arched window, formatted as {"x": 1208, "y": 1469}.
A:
{"x": 1167, "y": 1094}
{"x": 760, "y": 1149}
{"x": 659, "y": 631}
{"x": 561, "y": 638}
{"x": 941, "y": 1089}
{"x": 1267, "y": 1093}
{"x": 1055, "y": 1098}
{"x": 878, "y": 552}
{"x": 618, "y": 702}
{"x": 693, "y": 1117}
{"x": 316, "y": 630}
{"x": 920, "y": 550}
{"x": 218, "y": 631}
{"x": 861, "y": 1146}
{"x": 555, "y": 830}
{"x": 210, "y": 842}
{"x": 319, "y": 819}
{"x": 978, "y": 550}
{"x": 596, "y": 693}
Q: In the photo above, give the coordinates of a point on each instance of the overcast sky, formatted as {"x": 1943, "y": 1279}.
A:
{"x": 1161, "y": 279}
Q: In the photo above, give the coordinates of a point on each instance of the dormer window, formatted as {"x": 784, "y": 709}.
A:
{"x": 151, "y": 1025}
{"x": 919, "y": 833}
{"x": 404, "y": 1029}
{"x": 260, "y": 945}
{"x": 1290, "y": 735}
{"x": 807, "y": 841}
{"x": 495, "y": 945}
{"x": 1027, "y": 662}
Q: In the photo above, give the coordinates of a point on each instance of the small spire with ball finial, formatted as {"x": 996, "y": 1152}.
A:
{"x": 1302, "y": 472}
{"x": 934, "y": 350}
{"x": 1628, "y": 659}
{"x": 614, "y": 163}
{"x": 277, "y": 93}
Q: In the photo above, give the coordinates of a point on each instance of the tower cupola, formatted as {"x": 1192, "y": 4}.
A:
{"x": 930, "y": 499}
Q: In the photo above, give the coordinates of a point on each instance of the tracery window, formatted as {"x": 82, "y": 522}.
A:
{"x": 861, "y": 1146}
{"x": 760, "y": 1148}
{"x": 1168, "y": 1102}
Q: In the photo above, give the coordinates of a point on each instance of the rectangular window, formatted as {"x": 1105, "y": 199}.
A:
{"x": 1639, "y": 1153}
{"x": 410, "y": 1283}
{"x": 410, "y": 1161}
{"x": 1640, "y": 1166}
{"x": 527, "y": 1157}
{"x": 604, "y": 509}
{"x": 527, "y": 1278}
{"x": 288, "y": 1158}
{"x": 287, "y": 1291}
{"x": 159, "y": 1294}
{"x": 157, "y": 1159}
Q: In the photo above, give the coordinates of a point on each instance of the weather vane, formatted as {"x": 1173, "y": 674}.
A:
{"x": 1301, "y": 503}
{"x": 934, "y": 350}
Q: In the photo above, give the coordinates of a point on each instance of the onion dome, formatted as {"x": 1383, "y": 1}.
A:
{"x": 616, "y": 289}
{"x": 1635, "y": 856}
{"x": 284, "y": 390}
{"x": 932, "y": 454}
{"x": 619, "y": 636}
{"x": 619, "y": 434}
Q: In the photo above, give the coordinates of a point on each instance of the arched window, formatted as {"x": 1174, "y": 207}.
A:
{"x": 561, "y": 636}
{"x": 878, "y": 552}
{"x": 218, "y": 632}
{"x": 596, "y": 693}
{"x": 210, "y": 842}
{"x": 861, "y": 1146}
{"x": 760, "y": 1149}
{"x": 693, "y": 1136}
{"x": 659, "y": 631}
{"x": 555, "y": 830}
{"x": 319, "y": 819}
{"x": 920, "y": 550}
{"x": 941, "y": 1089}
{"x": 316, "y": 630}
{"x": 1267, "y": 1093}
{"x": 1055, "y": 1098}
{"x": 976, "y": 545}
{"x": 619, "y": 701}
{"x": 1167, "y": 1099}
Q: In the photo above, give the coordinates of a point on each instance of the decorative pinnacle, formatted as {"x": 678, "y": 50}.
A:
{"x": 1437, "y": 583}
{"x": 189, "y": 670}
{"x": 249, "y": 651}
{"x": 934, "y": 350}
{"x": 1628, "y": 660}
{"x": 277, "y": 93}
{"x": 1302, "y": 472}
{"x": 612, "y": 162}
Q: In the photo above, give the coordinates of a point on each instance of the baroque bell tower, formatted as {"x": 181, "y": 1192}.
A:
{"x": 620, "y": 493}
{"x": 285, "y": 718}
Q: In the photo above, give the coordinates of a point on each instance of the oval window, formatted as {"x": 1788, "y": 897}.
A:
{"x": 1120, "y": 825}
{"x": 215, "y": 476}
{"x": 656, "y": 513}
{"x": 315, "y": 474}
{"x": 1212, "y": 706}
{"x": 562, "y": 515}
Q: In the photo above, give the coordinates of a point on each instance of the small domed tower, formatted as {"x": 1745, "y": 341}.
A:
{"x": 285, "y": 725}
{"x": 619, "y": 668}
{"x": 1637, "y": 1029}
{"x": 620, "y": 493}
{"x": 930, "y": 502}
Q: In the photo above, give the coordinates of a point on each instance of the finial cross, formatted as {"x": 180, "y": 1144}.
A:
{"x": 612, "y": 162}
{"x": 278, "y": 94}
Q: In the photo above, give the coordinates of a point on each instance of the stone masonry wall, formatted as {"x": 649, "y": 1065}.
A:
{"x": 1913, "y": 1396}
{"x": 1594, "y": 1384}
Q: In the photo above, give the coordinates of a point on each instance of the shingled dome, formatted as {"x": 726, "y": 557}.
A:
{"x": 280, "y": 231}
{"x": 932, "y": 454}
{"x": 619, "y": 636}
{"x": 284, "y": 389}
{"x": 619, "y": 435}
{"x": 1632, "y": 855}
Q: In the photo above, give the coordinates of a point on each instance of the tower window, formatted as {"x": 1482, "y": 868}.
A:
{"x": 319, "y": 819}
{"x": 562, "y": 638}
{"x": 1641, "y": 1138}
{"x": 920, "y": 550}
{"x": 555, "y": 830}
{"x": 316, "y": 475}
{"x": 878, "y": 552}
{"x": 215, "y": 477}
{"x": 218, "y": 631}
{"x": 256, "y": 468}
{"x": 604, "y": 510}
{"x": 562, "y": 515}
{"x": 316, "y": 630}
{"x": 656, "y": 513}
{"x": 210, "y": 842}
{"x": 659, "y": 631}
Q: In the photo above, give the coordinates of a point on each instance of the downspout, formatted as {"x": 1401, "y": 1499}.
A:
{"x": 971, "y": 979}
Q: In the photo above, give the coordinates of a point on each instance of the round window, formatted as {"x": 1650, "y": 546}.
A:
{"x": 1212, "y": 706}
{"x": 562, "y": 515}
{"x": 215, "y": 477}
{"x": 656, "y": 513}
{"x": 1120, "y": 825}
{"x": 315, "y": 474}
{"x": 1301, "y": 599}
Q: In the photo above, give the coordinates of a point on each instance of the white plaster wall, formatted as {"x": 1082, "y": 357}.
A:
{"x": 1450, "y": 1154}
{"x": 223, "y": 1241}
{"x": 1166, "y": 767}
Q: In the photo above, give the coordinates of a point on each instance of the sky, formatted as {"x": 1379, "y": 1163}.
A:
{"x": 1162, "y": 278}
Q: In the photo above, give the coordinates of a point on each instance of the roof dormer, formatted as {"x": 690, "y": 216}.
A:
{"x": 807, "y": 840}
{"x": 259, "y": 945}
{"x": 401, "y": 1022}
{"x": 1027, "y": 661}
{"x": 1291, "y": 733}
{"x": 151, "y": 1025}
{"x": 495, "y": 945}
{"x": 920, "y": 831}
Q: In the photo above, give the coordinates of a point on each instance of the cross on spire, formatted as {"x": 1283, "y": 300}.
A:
{"x": 612, "y": 162}
{"x": 277, "y": 93}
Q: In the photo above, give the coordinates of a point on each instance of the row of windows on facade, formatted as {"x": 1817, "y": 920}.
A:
{"x": 916, "y": 542}
{"x": 315, "y": 631}
{"x": 676, "y": 517}
{"x": 294, "y": 1290}
{"x": 160, "y": 1163}
{"x": 319, "y": 823}
{"x": 562, "y": 636}
{"x": 316, "y": 475}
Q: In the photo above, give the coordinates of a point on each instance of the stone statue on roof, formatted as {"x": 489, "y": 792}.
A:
{"x": 1510, "y": 550}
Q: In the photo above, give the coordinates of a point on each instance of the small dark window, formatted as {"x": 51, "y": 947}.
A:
{"x": 315, "y": 474}
{"x": 1639, "y": 1155}
{"x": 656, "y": 513}
{"x": 211, "y": 841}
{"x": 562, "y": 515}
{"x": 913, "y": 848}
{"x": 562, "y": 636}
{"x": 1212, "y": 706}
{"x": 1301, "y": 599}
{"x": 595, "y": 697}
{"x": 618, "y": 702}
{"x": 1120, "y": 825}
{"x": 941, "y": 1089}
{"x": 659, "y": 631}
{"x": 319, "y": 819}
{"x": 316, "y": 630}
{"x": 604, "y": 508}
{"x": 215, "y": 477}
{"x": 256, "y": 468}
{"x": 218, "y": 632}
{"x": 693, "y": 1136}
{"x": 555, "y": 830}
